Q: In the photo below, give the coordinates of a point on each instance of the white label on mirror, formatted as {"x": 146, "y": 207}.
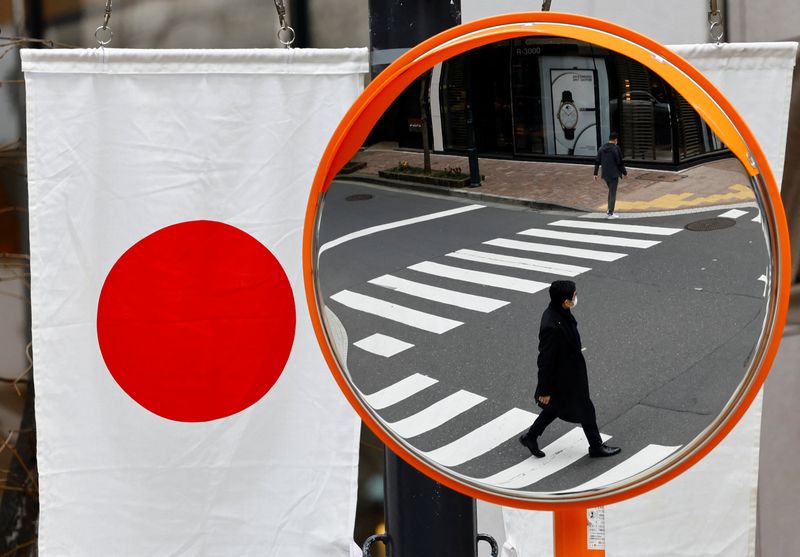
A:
{"x": 561, "y": 269}
{"x": 484, "y": 439}
{"x": 441, "y": 295}
{"x": 559, "y": 454}
{"x": 436, "y": 414}
{"x": 397, "y": 224}
{"x": 556, "y": 250}
{"x": 733, "y": 214}
{"x": 596, "y": 528}
{"x": 383, "y": 345}
{"x": 399, "y": 391}
{"x": 394, "y": 312}
{"x": 757, "y": 219}
{"x": 632, "y": 228}
{"x": 478, "y": 277}
{"x": 641, "y": 461}
{"x": 589, "y": 238}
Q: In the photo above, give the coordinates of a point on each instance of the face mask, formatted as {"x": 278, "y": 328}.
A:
{"x": 575, "y": 301}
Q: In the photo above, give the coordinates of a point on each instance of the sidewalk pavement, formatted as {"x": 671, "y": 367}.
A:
{"x": 569, "y": 185}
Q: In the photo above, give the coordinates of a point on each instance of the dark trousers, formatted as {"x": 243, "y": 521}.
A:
{"x": 547, "y": 417}
{"x": 612, "y": 193}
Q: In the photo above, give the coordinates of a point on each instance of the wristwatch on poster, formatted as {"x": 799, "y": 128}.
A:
{"x": 568, "y": 114}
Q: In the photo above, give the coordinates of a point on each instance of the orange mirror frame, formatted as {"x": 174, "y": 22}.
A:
{"x": 706, "y": 99}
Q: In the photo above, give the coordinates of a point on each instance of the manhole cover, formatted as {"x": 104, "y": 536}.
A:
{"x": 358, "y": 197}
{"x": 705, "y": 225}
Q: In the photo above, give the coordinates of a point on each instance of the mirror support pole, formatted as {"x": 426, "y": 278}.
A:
{"x": 423, "y": 517}
{"x": 571, "y": 533}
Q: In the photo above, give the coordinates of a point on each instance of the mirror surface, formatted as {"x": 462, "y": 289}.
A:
{"x": 432, "y": 291}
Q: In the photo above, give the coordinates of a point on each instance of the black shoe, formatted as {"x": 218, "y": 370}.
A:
{"x": 603, "y": 450}
{"x": 533, "y": 446}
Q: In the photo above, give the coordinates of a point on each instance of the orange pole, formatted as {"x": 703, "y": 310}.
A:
{"x": 579, "y": 532}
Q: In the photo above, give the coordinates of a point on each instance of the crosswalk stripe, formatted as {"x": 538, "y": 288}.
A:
{"x": 641, "y": 461}
{"x": 733, "y": 214}
{"x": 396, "y": 224}
{"x": 479, "y": 277}
{"x": 436, "y": 414}
{"x": 609, "y": 227}
{"x": 556, "y": 250}
{"x": 519, "y": 262}
{"x": 397, "y": 392}
{"x": 589, "y": 238}
{"x": 401, "y": 314}
{"x": 559, "y": 454}
{"x": 483, "y": 439}
{"x": 383, "y": 345}
{"x": 442, "y": 295}
{"x": 757, "y": 218}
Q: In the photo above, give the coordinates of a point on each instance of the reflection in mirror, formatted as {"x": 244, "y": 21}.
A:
{"x": 433, "y": 291}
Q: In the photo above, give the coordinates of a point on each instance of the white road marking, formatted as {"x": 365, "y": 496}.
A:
{"x": 399, "y": 391}
{"x": 733, "y": 214}
{"x": 763, "y": 278}
{"x": 436, "y": 414}
{"x": 559, "y": 454}
{"x": 397, "y": 224}
{"x": 589, "y": 238}
{"x": 556, "y": 250}
{"x": 478, "y": 277}
{"x": 442, "y": 295}
{"x": 757, "y": 218}
{"x": 609, "y": 227}
{"x": 519, "y": 262}
{"x": 401, "y": 314}
{"x": 641, "y": 461}
{"x": 483, "y": 439}
{"x": 383, "y": 345}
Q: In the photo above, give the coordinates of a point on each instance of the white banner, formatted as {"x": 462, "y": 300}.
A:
{"x": 183, "y": 406}
{"x": 711, "y": 509}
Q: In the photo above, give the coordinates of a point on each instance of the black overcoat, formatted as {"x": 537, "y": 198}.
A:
{"x": 562, "y": 368}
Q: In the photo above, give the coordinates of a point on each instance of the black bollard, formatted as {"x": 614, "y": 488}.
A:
{"x": 472, "y": 152}
{"x": 425, "y": 518}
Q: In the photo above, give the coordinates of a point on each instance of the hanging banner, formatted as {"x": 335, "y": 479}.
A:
{"x": 183, "y": 407}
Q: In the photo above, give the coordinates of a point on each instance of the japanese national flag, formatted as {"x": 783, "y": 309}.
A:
{"x": 183, "y": 406}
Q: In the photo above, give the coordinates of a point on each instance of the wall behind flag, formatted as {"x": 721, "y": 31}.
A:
{"x": 122, "y": 146}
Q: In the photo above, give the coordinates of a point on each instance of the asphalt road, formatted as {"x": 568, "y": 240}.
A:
{"x": 668, "y": 330}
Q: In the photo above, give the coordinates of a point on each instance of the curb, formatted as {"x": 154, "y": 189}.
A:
{"x": 467, "y": 194}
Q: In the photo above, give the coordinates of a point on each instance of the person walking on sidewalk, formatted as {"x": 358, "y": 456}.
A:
{"x": 563, "y": 387}
{"x": 609, "y": 158}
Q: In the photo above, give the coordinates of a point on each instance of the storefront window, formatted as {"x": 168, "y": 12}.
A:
{"x": 526, "y": 91}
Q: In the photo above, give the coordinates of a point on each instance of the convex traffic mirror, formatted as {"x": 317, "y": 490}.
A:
{"x": 429, "y": 293}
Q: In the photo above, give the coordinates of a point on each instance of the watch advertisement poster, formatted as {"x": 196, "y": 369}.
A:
{"x": 574, "y": 111}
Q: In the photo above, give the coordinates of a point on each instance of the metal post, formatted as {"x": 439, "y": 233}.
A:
{"x": 571, "y": 532}
{"x": 472, "y": 147}
{"x": 472, "y": 152}
{"x": 425, "y": 518}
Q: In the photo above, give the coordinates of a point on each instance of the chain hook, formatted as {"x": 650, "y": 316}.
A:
{"x": 715, "y": 27}
{"x": 103, "y": 34}
{"x": 286, "y": 34}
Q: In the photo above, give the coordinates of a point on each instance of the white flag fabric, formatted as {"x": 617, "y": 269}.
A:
{"x": 183, "y": 406}
{"x": 710, "y": 510}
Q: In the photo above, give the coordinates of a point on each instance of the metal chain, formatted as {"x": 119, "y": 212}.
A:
{"x": 103, "y": 34}
{"x": 715, "y": 27}
{"x": 286, "y": 34}
{"x": 546, "y": 5}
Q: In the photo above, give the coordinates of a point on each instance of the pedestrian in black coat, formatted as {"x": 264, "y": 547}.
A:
{"x": 563, "y": 387}
{"x": 609, "y": 158}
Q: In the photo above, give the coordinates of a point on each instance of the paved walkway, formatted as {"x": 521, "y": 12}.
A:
{"x": 571, "y": 185}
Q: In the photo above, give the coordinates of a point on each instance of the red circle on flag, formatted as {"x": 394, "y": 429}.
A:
{"x": 196, "y": 321}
